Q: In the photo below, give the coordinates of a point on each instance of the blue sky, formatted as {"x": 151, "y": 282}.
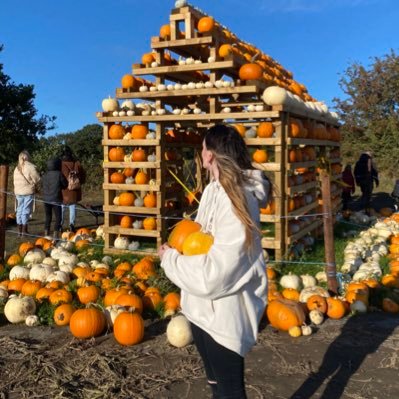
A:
{"x": 75, "y": 51}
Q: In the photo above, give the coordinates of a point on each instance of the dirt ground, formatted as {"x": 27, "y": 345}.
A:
{"x": 357, "y": 357}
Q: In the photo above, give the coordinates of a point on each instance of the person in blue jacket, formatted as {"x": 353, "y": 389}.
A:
{"x": 224, "y": 292}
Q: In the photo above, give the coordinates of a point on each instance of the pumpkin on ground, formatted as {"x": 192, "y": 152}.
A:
{"x": 128, "y": 328}
{"x": 87, "y": 323}
{"x": 284, "y": 314}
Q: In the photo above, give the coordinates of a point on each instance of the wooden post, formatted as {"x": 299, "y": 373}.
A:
{"x": 331, "y": 269}
{"x": 3, "y": 207}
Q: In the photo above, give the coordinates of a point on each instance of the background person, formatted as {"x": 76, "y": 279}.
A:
{"x": 53, "y": 183}
{"x": 223, "y": 292}
{"x": 71, "y": 197}
{"x": 366, "y": 175}
{"x": 26, "y": 182}
{"x": 349, "y": 189}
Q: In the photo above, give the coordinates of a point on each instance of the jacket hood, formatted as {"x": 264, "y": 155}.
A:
{"x": 53, "y": 164}
{"x": 259, "y": 185}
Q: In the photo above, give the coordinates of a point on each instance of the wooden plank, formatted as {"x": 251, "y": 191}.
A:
{"x": 297, "y": 141}
{"x": 229, "y": 117}
{"x": 269, "y": 218}
{"x": 131, "y": 187}
{"x": 251, "y": 89}
{"x": 173, "y": 69}
{"x": 267, "y": 167}
{"x": 134, "y": 165}
{"x": 132, "y": 232}
{"x": 123, "y": 210}
{"x": 304, "y": 209}
{"x": 294, "y": 165}
{"x": 301, "y": 188}
{"x": 115, "y": 251}
{"x": 270, "y": 243}
{"x": 304, "y": 231}
{"x": 180, "y": 43}
{"x": 259, "y": 141}
{"x": 130, "y": 143}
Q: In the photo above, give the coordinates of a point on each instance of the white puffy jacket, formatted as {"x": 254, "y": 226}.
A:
{"x": 224, "y": 291}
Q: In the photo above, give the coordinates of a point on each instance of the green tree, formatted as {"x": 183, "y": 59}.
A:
{"x": 20, "y": 127}
{"x": 370, "y": 111}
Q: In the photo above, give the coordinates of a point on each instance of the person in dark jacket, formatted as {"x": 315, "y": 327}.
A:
{"x": 71, "y": 197}
{"x": 53, "y": 182}
{"x": 365, "y": 175}
{"x": 349, "y": 188}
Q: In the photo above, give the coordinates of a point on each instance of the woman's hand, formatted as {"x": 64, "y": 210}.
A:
{"x": 162, "y": 249}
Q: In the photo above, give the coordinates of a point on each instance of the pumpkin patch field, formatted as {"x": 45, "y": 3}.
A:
{"x": 76, "y": 323}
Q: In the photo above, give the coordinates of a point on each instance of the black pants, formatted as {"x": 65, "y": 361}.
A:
{"x": 366, "y": 188}
{"x": 222, "y": 365}
{"x": 346, "y": 197}
{"x": 48, "y": 210}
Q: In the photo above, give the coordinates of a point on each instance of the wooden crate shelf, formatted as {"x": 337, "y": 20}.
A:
{"x": 212, "y": 101}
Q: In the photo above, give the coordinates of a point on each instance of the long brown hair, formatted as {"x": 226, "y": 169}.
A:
{"x": 232, "y": 157}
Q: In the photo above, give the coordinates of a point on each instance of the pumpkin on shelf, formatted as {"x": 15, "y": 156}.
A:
{"x": 150, "y": 200}
{"x": 116, "y": 132}
{"x": 141, "y": 177}
{"x": 260, "y": 156}
{"x": 109, "y": 104}
{"x": 270, "y": 208}
{"x": 225, "y": 50}
{"x": 265, "y": 130}
{"x": 126, "y": 199}
{"x": 128, "y": 81}
{"x": 126, "y": 222}
{"x": 139, "y": 132}
{"x": 139, "y": 155}
{"x": 149, "y": 223}
{"x": 147, "y": 58}
{"x": 117, "y": 178}
{"x": 206, "y": 25}
{"x": 116, "y": 154}
{"x": 250, "y": 71}
{"x": 165, "y": 32}
{"x": 241, "y": 129}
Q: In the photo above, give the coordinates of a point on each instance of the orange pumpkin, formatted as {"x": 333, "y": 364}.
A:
{"x": 250, "y": 71}
{"x": 63, "y": 314}
{"x": 126, "y": 222}
{"x": 270, "y": 208}
{"x": 152, "y": 300}
{"x": 116, "y": 132}
{"x": 130, "y": 301}
{"x": 225, "y": 50}
{"x": 149, "y": 223}
{"x": 126, "y": 199}
{"x": 260, "y": 156}
{"x": 128, "y": 328}
{"x": 139, "y": 132}
{"x": 265, "y": 130}
{"x": 141, "y": 178}
{"x": 87, "y": 323}
{"x": 88, "y": 294}
{"x": 317, "y": 302}
{"x": 44, "y": 293}
{"x": 180, "y": 232}
{"x": 390, "y": 306}
{"x": 147, "y": 58}
{"x": 128, "y": 82}
{"x": 112, "y": 294}
{"x": 144, "y": 269}
{"x": 30, "y": 288}
{"x": 290, "y": 293}
{"x": 16, "y": 284}
{"x": 116, "y": 154}
{"x": 150, "y": 200}
{"x": 335, "y": 308}
{"x": 14, "y": 259}
{"x": 117, "y": 178}
{"x": 172, "y": 301}
{"x": 284, "y": 314}
{"x": 25, "y": 247}
{"x": 60, "y": 296}
{"x": 165, "y": 32}
{"x": 205, "y": 24}
{"x": 139, "y": 155}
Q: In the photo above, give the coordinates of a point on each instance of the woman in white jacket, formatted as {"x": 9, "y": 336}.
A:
{"x": 223, "y": 292}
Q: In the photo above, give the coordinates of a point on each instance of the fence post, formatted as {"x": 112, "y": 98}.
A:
{"x": 3, "y": 207}
{"x": 331, "y": 268}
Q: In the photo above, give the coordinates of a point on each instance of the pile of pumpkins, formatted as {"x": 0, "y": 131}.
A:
{"x": 295, "y": 299}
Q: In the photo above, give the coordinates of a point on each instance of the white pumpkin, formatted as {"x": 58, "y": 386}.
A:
{"x": 40, "y": 272}
{"x": 121, "y": 242}
{"x": 321, "y": 277}
{"x": 358, "y": 307}
{"x": 58, "y": 275}
{"x": 152, "y": 158}
{"x": 18, "y": 308}
{"x": 68, "y": 259}
{"x": 180, "y": 3}
{"x": 306, "y": 293}
{"x": 111, "y": 312}
{"x": 32, "y": 321}
{"x": 100, "y": 231}
{"x": 316, "y": 317}
{"x": 49, "y": 261}
{"x": 138, "y": 224}
{"x": 19, "y": 272}
{"x": 306, "y": 330}
{"x": 179, "y": 332}
{"x": 66, "y": 245}
{"x": 134, "y": 246}
{"x": 151, "y": 136}
{"x": 308, "y": 280}
{"x": 291, "y": 281}
{"x": 275, "y": 95}
{"x": 35, "y": 255}
{"x": 67, "y": 268}
{"x": 251, "y": 133}
{"x": 109, "y": 104}
{"x": 128, "y": 104}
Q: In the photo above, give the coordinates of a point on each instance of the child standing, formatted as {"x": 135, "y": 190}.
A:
{"x": 53, "y": 183}
{"x": 349, "y": 188}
